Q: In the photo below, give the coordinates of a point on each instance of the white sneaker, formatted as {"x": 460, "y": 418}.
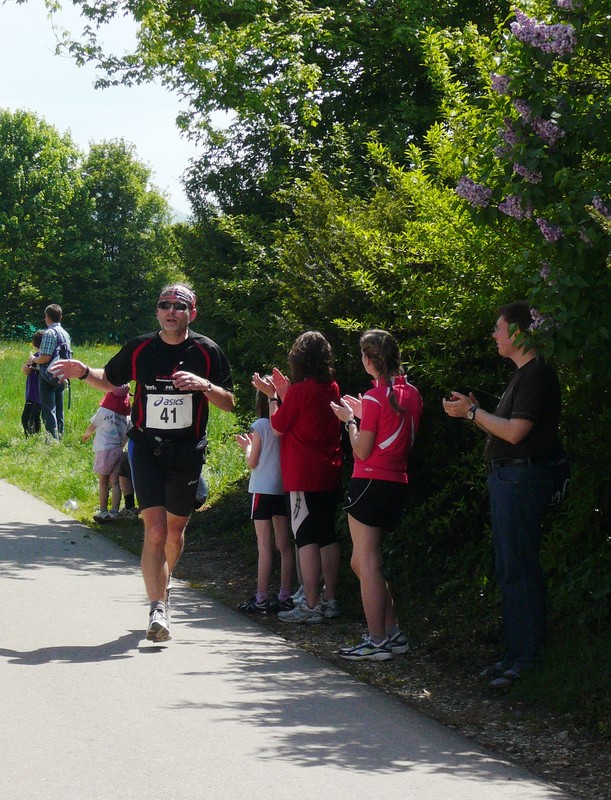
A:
{"x": 158, "y": 629}
{"x": 330, "y": 608}
{"x": 297, "y": 598}
{"x": 302, "y": 614}
{"x": 129, "y": 513}
{"x": 398, "y": 643}
{"x": 366, "y": 650}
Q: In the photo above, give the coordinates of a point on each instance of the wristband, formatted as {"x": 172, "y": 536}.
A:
{"x": 350, "y": 422}
{"x": 275, "y": 400}
{"x": 84, "y": 375}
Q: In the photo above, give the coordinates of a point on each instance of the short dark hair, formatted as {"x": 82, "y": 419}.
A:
{"x": 37, "y": 338}
{"x": 311, "y": 356}
{"x": 54, "y": 312}
{"x": 517, "y": 313}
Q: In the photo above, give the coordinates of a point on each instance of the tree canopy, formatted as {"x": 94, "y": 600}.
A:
{"x": 89, "y": 232}
{"x": 301, "y": 81}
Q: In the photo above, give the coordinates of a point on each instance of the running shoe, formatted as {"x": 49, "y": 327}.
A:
{"x": 103, "y": 516}
{"x": 367, "y": 651}
{"x": 330, "y": 608}
{"x": 302, "y": 614}
{"x": 129, "y": 513}
{"x": 168, "y": 596}
{"x": 252, "y": 607}
{"x": 159, "y": 628}
{"x": 493, "y": 671}
{"x": 298, "y": 596}
{"x": 274, "y": 604}
{"x": 284, "y": 605}
{"x": 398, "y": 643}
{"x": 506, "y": 680}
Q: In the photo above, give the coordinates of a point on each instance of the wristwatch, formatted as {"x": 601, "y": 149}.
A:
{"x": 471, "y": 412}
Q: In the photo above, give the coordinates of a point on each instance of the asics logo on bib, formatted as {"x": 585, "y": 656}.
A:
{"x": 169, "y": 401}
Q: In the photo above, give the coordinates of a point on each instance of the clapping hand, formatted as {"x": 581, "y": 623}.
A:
{"x": 244, "y": 440}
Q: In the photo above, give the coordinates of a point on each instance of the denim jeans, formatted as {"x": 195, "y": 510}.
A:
{"x": 519, "y": 497}
{"x": 52, "y": 406}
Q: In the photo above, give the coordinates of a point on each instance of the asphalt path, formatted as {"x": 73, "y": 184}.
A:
{"x": 90, "y": 710}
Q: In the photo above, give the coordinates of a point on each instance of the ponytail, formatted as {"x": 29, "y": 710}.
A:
{"x": 383, "y": 351}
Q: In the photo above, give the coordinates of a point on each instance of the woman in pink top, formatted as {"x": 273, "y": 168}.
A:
{"x": 389, "y": 416}
{"x": 311, "y": 467}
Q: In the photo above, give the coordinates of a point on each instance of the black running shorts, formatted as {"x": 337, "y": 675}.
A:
{"x": 174, "y": 489}
{"x": 266, "y": 506}
{"x": 313, "y": 517}
{"x": 378, "y": 504}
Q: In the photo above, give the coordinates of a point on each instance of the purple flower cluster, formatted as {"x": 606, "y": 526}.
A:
{"x": 512, "y": 207}
{"x": 551, "y": 232}
{"x": 474, "y": 193}
{"x": 509, "y": 134}
{"x": 568, "y": 5}
{"x": 527, "y": 174}
{"x": 547, "y": 130}
{"x": 501, "y": 150}
{"x": 545, "y": 272}
{"x": 598, "y": 204}
{"x": 538, "y": 319}
{"x": 500, "y": 83}
{"x": 560, "y": 39}
{"x": 523, "y": 109}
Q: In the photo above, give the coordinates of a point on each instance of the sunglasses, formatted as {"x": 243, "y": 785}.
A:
{"x": 166, "y": 305}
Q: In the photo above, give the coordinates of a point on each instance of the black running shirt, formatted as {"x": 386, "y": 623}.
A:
{"x": 158, "y": 406}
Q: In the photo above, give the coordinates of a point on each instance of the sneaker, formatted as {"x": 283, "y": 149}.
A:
{"x": 330, "y": 608}
{"x": 129, "y": 513}
{"x": 298, "y": 596}
{"x": 398, "y": 644}
{"x": 302, "y": 614}
{"x": 168, "y": 596}
{"x": 274, "y": 605}
{"x": 103, "y": 516}
{"x": 506, "y": 680}
{"x": 252, "y": 607}
{"x": 281, "y": 605}
{"x": 367, "y": 651}
{"x": 493, "y": 671}
{"x": 158, "y": 629}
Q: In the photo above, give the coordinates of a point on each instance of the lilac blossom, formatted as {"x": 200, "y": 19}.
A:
{"x": 599, "y": 206}
{"x": 512, "y": 207}
{"x": 559, "y": 38}
{"x": 500, "y": 83}
{"x": 545, "y": 272}
{"x": 547, "y": 130}
{"x": 568, "y": 5}
{"x": 501, "y": 150}
{"x": 527, "y": 174}
{"x": 538, "y": 319}
{"x": 474, "y": 193}
{"x": 523, "y": 109}
{"x": 509, "y": 134}
{"x": 551, "y": 232}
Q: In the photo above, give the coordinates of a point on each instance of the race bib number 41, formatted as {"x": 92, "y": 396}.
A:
{"x": 169, "y": 412}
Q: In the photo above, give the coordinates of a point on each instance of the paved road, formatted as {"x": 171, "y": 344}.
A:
{"x": 92, "y": 711}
